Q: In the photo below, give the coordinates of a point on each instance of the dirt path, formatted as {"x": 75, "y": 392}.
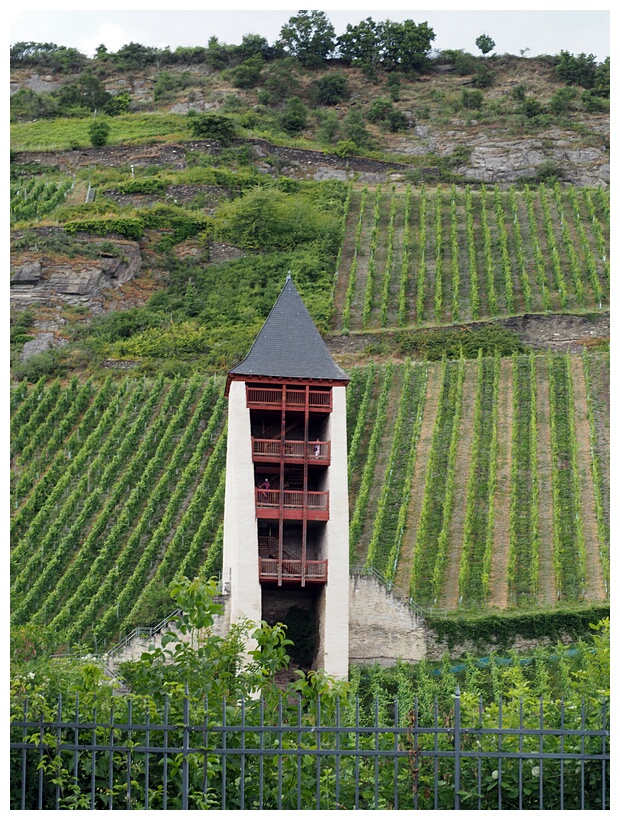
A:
{"x": 418, "y": 483}
{"x": 595, "y": 585}
{"x": 450, "y": 589}
{"x": 498, "y": 576}
{"x": 546, "y": 572}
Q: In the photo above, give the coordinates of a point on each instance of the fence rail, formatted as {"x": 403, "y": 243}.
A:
{"x": 189, "y": 754}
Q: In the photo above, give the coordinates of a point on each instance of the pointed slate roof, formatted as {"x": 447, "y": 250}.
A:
{"x": 289, "y": 346}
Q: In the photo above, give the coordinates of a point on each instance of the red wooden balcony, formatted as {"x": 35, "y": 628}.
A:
{"x": 318, "y": 452}
{"x": 287, "y": 570}
{"x": 268, "y": 504}
{"x": 271, "y": 397}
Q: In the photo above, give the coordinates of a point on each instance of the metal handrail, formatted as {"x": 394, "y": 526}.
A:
{"x": 391, "y": 587}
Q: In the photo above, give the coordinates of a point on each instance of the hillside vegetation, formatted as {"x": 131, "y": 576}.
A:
{"x": 419, "y": 208}
{"x": 473, "y": 484}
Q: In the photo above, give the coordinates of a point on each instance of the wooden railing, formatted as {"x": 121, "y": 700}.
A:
{"x": 293, "y": 499}
{"x": 272, "y": 397}
{"x": 270, "y": 569}
{"x": 269, "y": 449}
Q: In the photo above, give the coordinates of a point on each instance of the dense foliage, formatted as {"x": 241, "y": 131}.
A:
{"x": 186, "y": 681}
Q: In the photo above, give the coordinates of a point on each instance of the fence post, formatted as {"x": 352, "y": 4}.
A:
{"x": 457, "y": 749}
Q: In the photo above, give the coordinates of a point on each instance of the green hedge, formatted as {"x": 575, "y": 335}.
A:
{"x": 127, "y": 226}
{"x": 504, "y": 629}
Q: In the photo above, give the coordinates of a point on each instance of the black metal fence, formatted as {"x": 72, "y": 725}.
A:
{"x": 274, "y": 755}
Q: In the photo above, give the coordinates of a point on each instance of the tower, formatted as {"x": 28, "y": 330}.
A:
{"x": 286, "y": 513}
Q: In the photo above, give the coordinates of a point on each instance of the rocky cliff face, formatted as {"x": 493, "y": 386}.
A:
{"x": 50, "y": 279}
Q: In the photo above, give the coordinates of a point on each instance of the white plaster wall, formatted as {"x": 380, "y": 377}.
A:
{"x": 240, "y": 549}
{"x": 333, "y": 605}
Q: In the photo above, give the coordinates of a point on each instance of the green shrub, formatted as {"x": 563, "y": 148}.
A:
{"x": 576, "y": 70}
{"x": 50, "y": 363}
{"x": 127, "y": 226}
{"x": 331, "y": 89}
{"x": 472, "y": 100}
{"x": 328, "y": 128}
{"x": 345, "y": 148}
{"x": 594, "y": 104}
{"x": 295, "y": 116}
{"x": 531, "y": 107}
{"x": 483, "y": 77}
{"x": 99, "y": 132}
{"x": 211, "y": 126}
{"x": 247, "y": 74}
{"x": 562, "y": 101}
{"x": 274, "y": 219}
{"x": 354, "y": 128}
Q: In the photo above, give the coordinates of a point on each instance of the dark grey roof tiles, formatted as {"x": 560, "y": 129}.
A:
{"x": 289, "y": 345}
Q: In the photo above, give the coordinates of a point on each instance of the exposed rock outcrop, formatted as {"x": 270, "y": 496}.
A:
{"x": 49, "y": 279}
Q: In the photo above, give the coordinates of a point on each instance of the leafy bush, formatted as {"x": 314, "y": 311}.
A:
{"x": 20, "y": 325}
{"x": 531, "y": 107}
{"x": 211, "y": 126}
{"x": 98, "y": 132}
{"x": 594, "y": 104}
{"x": 576, "y": 70}
{"x": 169, "y": 342}
{"x": 50, "y": 363}
{"x": 328, "y": 128}
{"x": 332, "y": 88}
{"x": 472, "y": 100}
{"x": 127, "y": 226}
{"x": 354, "y": 128}
{"x": 272, "y": 219}
{"x": 295, "y": 116}
{"x": 345, "y": 148}
{"x": 483, "y": 77}
{"x": 562, "y": 101}
{"x": 247, "y": 74}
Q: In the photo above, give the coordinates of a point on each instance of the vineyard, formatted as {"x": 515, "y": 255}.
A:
{"x": 35, "y": 197}
{"x": 473, "y": 484}
{"x": 437, "y": 256}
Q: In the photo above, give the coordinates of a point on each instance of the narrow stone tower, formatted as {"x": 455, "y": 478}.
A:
{"x": 286, "y": 513}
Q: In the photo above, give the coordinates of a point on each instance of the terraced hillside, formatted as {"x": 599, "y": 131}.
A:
{"x": 472, "y": 484}
{"x": 420, "y": 256}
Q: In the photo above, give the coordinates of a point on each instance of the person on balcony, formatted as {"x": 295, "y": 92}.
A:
{"x": 317, "y": 448}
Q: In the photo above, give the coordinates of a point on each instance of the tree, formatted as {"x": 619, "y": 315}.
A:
{"x": 354, "y": 128}
{"x": 406, "y": 45}
{"x": 99, "y": 131}
{"x": 361, "y": 45}
{"x": 295, "y": 116}
{"x": 87, "y": 92}
{"x": 485, "y": 43}
{"x": 310, "y": 37}
{"x": 328, "y": 128}
{"x": 580, "y": 70}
